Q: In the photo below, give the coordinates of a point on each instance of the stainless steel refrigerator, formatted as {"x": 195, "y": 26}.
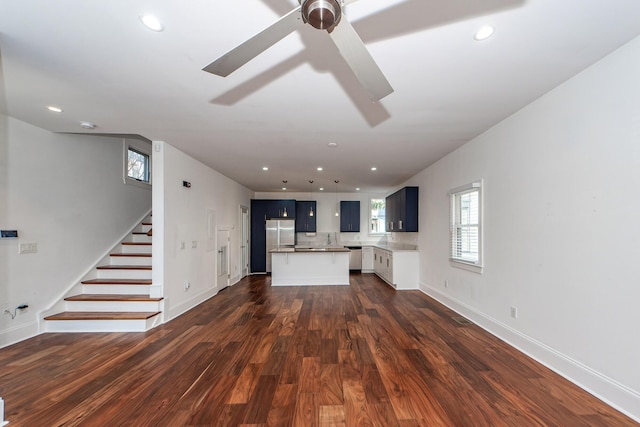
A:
{"x": 281, "y": 233}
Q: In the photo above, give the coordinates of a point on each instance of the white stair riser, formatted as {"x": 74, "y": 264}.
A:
{"x": 116, "y": 289}
{"x": 130, "y": 260}
{"x": 102, "y": 325}
{"x": 119, "y": 306}
{"x": 144, "y": 228}
{"x": 141, "y": 238}
{"x": 124, "y": 274}
{"x": 135, "y": 249}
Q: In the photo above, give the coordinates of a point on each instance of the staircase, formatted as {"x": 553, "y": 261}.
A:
{"x": 117, "y": 299}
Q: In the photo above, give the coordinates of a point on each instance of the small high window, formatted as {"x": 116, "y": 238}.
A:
{"x": 137, "y": 163}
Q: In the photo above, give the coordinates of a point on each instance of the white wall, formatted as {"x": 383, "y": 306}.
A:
{"x": 65, "y": 193}
{"x": 181, "y": 215}
{"x": 561, "y": 207}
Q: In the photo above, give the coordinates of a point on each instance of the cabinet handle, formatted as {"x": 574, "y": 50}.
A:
{"x": 399, "y": 224}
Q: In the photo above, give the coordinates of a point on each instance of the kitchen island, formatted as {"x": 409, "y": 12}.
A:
{"x": 309, "y": 266}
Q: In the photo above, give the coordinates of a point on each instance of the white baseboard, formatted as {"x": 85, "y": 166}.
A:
{"x": 18, "y": 333}
{"x": 178, "y": 310}
{"x": 613, "y": 393}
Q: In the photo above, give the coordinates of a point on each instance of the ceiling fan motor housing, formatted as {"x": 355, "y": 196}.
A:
{"x": 321, "y": 14}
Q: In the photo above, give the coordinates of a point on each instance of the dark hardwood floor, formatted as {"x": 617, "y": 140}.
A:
{"x": 255, "y": 355}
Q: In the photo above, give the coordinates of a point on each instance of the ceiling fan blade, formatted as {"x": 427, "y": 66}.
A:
{"x": 360, "y": 60}
{"x": 240, "y": 55}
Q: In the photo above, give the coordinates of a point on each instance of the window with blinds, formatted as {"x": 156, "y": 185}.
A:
{"x": 466, "y": 224}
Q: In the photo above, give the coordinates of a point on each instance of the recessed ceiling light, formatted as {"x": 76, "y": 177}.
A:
{"x": 264, "y": 168}
{"x": 284, "y": 188}
{"x": 321, "y": 188}
{"x": 87, "y": 125}
{"x": 484, "y": 33}
{"x": 358, "y": 189}
{"x": 374, "y": 168}
{"x": 151, "y": 22}
{"x": 332, "y": 144}
{"x": 54, "y": 109}
{"x": 320, "y": 169}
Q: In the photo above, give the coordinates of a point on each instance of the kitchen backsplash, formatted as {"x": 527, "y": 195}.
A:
{"x": 322, "y": 238}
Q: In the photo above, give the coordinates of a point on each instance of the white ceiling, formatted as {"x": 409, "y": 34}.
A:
{"x": 95, "y": 60}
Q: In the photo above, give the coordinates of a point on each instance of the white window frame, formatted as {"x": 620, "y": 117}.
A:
{"x": 141, "y": 147}
{"x": 371, "y": 218}
{"x": 455, "y": 259}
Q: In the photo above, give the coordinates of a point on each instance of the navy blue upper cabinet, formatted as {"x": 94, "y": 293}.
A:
{"x": 280, "y": 208}
{"x": 350, "y": 216}
{"x": 261, "y": 210}
{"x": 305, "y": 221}
{"x": 401, "y": 209}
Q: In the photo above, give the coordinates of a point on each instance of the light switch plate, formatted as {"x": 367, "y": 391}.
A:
{"x": 28, "y": 248}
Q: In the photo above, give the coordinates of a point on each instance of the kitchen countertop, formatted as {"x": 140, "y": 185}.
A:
{"x": 396, "y": 247}
{"x": 392, "y": 247}
{"x": 311, "y": 250}
{"x": 387, "y": 247}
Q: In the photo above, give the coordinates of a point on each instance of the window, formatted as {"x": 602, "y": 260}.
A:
{"x": 377, "y": 216}
{"x": 137, "y": 163}
{"x": 466, "y": 226}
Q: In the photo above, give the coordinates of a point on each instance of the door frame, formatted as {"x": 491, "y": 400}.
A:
{"x": 245, "y": 221}
{"x": 223, "y": 235}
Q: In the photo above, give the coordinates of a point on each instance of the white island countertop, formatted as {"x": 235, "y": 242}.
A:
{"x": 310, "y": 266}
{"x": 311, "y": 249}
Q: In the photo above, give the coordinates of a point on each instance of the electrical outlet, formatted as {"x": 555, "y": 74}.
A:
{"x": 28, "y": 248}
{"x": 514, "y": 312}
{"x": 187, "y": 285}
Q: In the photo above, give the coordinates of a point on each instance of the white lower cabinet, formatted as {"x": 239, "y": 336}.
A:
{"x": 367, "y": 259}
{"x": 397, "y": 268}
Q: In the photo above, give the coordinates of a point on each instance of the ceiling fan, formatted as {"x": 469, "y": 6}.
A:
{"x": 323, "y": 15}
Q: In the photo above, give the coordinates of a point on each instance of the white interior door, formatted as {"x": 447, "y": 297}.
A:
{"x": 244, "y": 239}
{"x": 222, "y": 258}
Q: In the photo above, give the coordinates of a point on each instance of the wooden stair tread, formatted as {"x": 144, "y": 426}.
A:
{"x": 140, "y": 233}
{"x": 107, "y": 297}
{"x": 117, "y": 282}
{"x": 147, "y": 223}
{"x": 136, "y": 243}
{"x": 124, "y": 267}
{"x": 103, "y": 315}
{"x": 134, "y": 255}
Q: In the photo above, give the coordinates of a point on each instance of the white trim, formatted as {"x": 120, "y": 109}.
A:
{"x": 474, "y": 184}
{"x": 610, "y": 391}
{"x": 17, "y": 333}
{"x": 476, "y": 268}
